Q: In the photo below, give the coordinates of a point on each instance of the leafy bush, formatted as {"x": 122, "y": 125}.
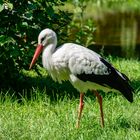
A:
{"x": 81, "y": 29}
{"x": 20, "y": 23}
{"x": 82, "y": 32}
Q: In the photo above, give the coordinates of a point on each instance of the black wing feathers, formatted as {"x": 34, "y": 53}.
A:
{"x": 114, "y": 79}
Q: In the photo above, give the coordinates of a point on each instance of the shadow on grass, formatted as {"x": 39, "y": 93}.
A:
{"x": 25, "y": 88}
{"x": 54, "y": 90}
{"x": 120, "y": 123}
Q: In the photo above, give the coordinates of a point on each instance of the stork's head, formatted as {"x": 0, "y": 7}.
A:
{"x": 46, "y": 37}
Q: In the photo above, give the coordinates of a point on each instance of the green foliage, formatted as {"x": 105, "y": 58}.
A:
{"x": 82, "y": 32}
{"x": 20, "y": 23}
{"x": 80, "y": 29}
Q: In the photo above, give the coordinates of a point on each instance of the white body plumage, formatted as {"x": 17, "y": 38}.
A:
{"x": 71, "y": 59}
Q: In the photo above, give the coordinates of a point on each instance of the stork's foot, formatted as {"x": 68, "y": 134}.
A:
{"x": 81, "y": 105}
{"x": 99, "y": 97}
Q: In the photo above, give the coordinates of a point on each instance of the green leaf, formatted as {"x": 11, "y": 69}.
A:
{"x": 24, "y": 23}
{"x": 1, "y": 7}
{"x": 10, "y": 5}
{"x": 6, "y": 40}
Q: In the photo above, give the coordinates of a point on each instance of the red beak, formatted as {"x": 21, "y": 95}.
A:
{"x": 36, "y": 54}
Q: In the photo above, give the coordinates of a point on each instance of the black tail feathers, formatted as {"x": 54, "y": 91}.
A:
{"x": 125, "y": 88}
{"x": 119, "y": 81}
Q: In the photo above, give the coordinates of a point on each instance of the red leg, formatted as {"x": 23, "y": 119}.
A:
{"x": 81, "y": 105}
{"x": 99, "y": 97}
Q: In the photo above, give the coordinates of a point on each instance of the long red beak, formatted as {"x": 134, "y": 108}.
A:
{"x": 36, "y": 54}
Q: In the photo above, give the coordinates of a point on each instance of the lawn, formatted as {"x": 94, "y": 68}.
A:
{"x": 42, "y": 118}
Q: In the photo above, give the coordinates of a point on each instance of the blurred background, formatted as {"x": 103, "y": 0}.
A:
{"x": 109, "y": 25}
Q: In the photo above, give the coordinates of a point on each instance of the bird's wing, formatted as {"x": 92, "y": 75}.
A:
{"x": 78, "y": 59}
{"x": 82, "y": 60}
{"x": 112, "y": 78}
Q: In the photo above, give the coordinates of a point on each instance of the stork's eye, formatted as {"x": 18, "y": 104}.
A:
{"x": 42, "y": 39}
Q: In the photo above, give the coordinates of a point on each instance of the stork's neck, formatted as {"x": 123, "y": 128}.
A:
{"x": 49, "y": 50}
{"x": 47, "y": 55}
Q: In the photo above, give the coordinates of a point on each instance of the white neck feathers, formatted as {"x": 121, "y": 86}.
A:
{"x": 47, "y": 56}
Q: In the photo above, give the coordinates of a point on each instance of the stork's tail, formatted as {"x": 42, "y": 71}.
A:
{"x": 125, "y": 87}
{"x": 120, "y": 82}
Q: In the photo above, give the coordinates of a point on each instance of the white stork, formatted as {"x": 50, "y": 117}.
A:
{"x": 85, "y": 69}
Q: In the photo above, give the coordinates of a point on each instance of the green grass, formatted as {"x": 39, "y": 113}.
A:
{"x": 41, "y": 118}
